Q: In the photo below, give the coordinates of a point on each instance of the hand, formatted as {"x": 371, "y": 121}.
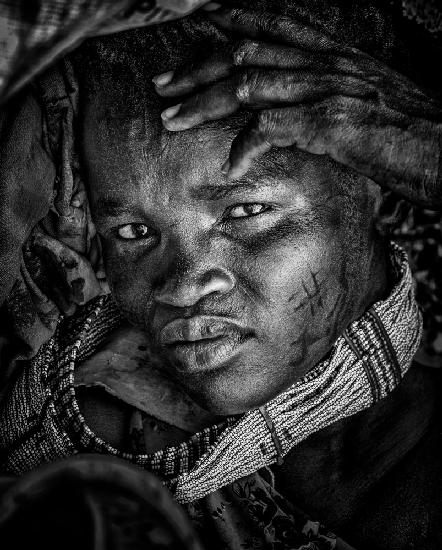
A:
{"x": 315, "y": 94}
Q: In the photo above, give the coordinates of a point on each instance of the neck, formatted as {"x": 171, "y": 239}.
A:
{"x": 378, "y": 281}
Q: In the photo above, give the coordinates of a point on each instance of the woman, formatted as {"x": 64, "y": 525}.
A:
{"x": 259, "y": 137}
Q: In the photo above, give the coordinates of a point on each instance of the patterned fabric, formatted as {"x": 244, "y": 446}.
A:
{"x": 60, "y": 265}
{"x": 40, "y": 420}
{"x": 34, "y": 37}
{"x": 44, "y": 398}
{"x": 247, "y": 514}
{"x": 250, "y": 514}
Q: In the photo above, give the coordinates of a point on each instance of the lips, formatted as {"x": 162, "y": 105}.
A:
{"x": 194, "y": 329}
{"x": 202, "y": 342}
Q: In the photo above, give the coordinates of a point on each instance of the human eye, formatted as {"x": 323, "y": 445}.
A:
{"x": 245, "y": 210}
{"x": 133, "y": 231}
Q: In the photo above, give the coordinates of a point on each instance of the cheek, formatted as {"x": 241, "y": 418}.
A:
{"x": 289, "y": 268}
{"x": 129, "y": 284}
{"x": 306, "y": 288}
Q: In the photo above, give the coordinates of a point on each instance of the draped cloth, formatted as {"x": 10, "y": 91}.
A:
{"x": 34, "y": 36}
{"x": 60, "y": 263}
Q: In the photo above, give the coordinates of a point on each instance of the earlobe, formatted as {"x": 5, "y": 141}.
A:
{"x": 392, "y": 211}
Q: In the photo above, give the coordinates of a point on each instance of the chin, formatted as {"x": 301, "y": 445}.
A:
{"x": 227, "y": 393}
{"x": 223, "y": 407}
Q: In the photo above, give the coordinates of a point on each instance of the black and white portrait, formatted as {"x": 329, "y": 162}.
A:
{"x": 220, "y": 274}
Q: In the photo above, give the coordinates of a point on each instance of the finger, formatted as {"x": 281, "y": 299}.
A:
{"x": 218, "y": 101}
{"x": 259, "y": 54}
{"x": 273, "y": 28}
{"x": 257, "y": 88}
{"x": 248, "y": 145}
{"x": 250, "y": 53}
{"x": 196, "y": 75}
{"x": 302, "y": 126}
{"x": 244, "y": 53}
{"x": 74, "y": 270}
{"x": 253, "y": 53}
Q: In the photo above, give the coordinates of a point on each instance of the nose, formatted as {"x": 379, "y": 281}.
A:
{"x": 187, "y": 289}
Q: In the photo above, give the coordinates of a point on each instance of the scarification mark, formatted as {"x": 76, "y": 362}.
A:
{"x": 304, "y": 342}
{"x": 313, "y": 298}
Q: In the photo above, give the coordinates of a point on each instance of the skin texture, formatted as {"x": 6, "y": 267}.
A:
{"x": 291, "y": 277}
{"x": 317, "y": 94}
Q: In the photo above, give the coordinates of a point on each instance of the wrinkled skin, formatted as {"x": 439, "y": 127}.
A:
{"x": 319, "y": 95}
{"x": 292, "y": 276}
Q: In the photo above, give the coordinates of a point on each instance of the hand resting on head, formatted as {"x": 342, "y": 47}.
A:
{"x": 318, "y": 95}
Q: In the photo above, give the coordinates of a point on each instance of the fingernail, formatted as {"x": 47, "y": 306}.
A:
{"x": 211, "y": 6}
{"x": 225, "y": 167}
{"x": 104, "y": 285}
{"x": 163, "y": 79}
{"x": 171, "y": 112}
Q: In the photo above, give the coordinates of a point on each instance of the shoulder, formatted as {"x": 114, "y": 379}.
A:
{"x": 359, "y": 475}
{"x": 404, "y": 509}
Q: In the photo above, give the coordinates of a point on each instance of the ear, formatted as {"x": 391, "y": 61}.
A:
{"x": 392, "y": 212}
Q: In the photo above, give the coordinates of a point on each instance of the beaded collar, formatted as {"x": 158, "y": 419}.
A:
{"x": 42, "y": 421}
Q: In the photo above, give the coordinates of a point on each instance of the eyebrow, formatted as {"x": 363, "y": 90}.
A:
{"x": 108, "y": 206}
{"x": 112, "y": 207}
{"x": 215, "y": 192}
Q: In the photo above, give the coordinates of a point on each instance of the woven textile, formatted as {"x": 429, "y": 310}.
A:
{"x": 40, "y": 420}
{"x": 34, "y": 36}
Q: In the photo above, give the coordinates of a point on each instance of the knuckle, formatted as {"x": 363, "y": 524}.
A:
{"x": 267, "y": 122}
{"x": 244, "y": 51}
{"x": 261, "y": 21}
{"x": 246, "y": 83}
{"x": 240, "y": 16}
{"x": 276, "y": 126}
{"x": 274, "y": 23}
{"x": 342, "y": 64}
{"x": 376, "y": 80}
{"x": 330, "y": 106}
{"x": 335, "y": 109}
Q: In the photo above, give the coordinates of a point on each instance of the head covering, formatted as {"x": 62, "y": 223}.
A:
{"x": 34, "y": 37}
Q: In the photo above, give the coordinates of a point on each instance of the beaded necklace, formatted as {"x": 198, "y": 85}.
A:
{"x": 41, "y": 420}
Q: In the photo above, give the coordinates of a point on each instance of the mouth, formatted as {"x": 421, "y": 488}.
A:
{"x": 203, "y": 342}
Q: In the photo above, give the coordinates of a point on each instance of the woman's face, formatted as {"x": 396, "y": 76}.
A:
{"x": 241, "y": 286}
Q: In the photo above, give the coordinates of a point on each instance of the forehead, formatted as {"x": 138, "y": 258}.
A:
{"x": 125, "y": 155}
